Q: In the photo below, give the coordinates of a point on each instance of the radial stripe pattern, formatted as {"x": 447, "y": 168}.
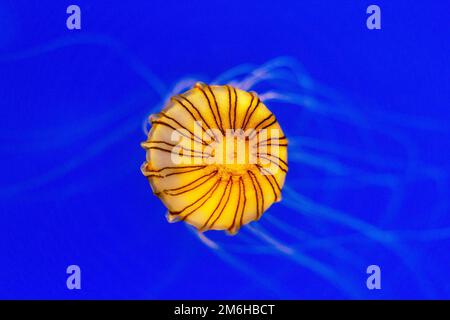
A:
{"x": 216, "y": 157}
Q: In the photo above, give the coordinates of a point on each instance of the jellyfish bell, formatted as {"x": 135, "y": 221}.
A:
{"x": 216, "y": 156}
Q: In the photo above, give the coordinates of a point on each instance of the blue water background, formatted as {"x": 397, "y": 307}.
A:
{"x": 71, "y": 109}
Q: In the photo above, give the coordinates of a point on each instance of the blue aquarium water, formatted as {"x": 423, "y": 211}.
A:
{"x": 366, "y": 113}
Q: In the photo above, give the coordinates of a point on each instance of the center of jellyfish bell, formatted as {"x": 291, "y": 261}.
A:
{"x": 232, "y": 153}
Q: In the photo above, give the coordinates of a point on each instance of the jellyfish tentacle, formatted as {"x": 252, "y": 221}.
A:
{"x": 112, "y": 44}
{"x": 317, "y": 267}
{"x": 345, "y": 152}
{"x": 310, "y": 241}
{"x": 238, "y": 264}
{"x": 387, "y": 239}
{"x": 233, "y": 73}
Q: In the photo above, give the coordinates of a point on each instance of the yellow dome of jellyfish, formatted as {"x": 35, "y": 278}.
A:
{"x": 216, "y": 157}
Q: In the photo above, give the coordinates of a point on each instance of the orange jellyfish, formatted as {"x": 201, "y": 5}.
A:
{"x": 216, "y": 157}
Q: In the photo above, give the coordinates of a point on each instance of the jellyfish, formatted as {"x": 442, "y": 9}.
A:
{"x": 307, "y": 230}
{"x": 300, "y": 230}
{"x": 216, "y": 157}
